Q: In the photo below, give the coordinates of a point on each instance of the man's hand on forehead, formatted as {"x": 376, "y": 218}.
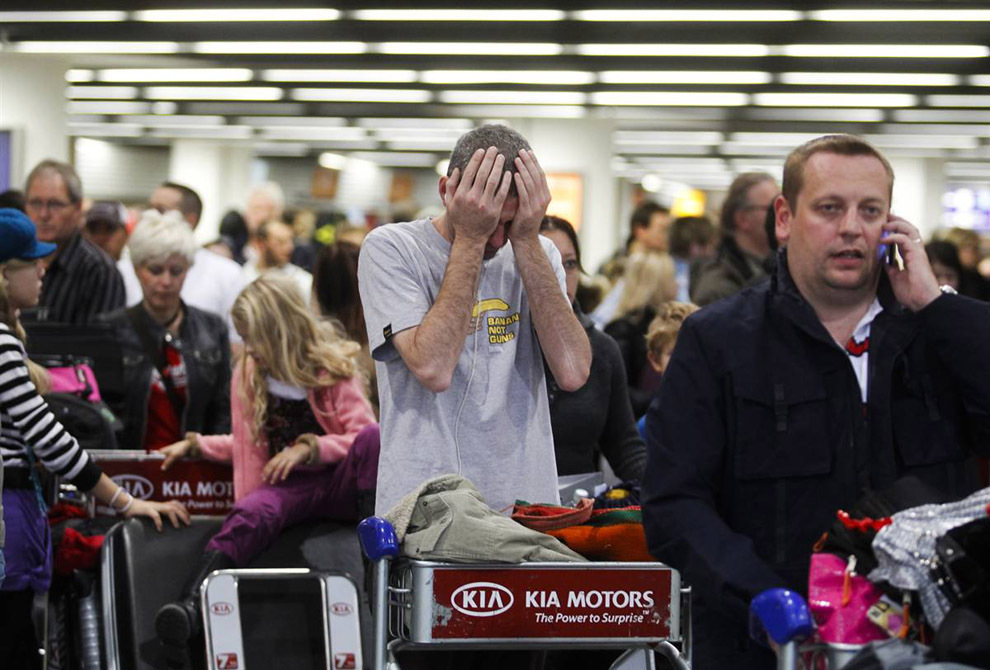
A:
{"x": 534, "y": 197}
{"x": 474, "y": 200}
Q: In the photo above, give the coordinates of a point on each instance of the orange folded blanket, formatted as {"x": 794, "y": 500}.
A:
{"x": 609, "y": 535}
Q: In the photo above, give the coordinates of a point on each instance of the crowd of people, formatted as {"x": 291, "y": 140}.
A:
{"x": 734, "y": 380}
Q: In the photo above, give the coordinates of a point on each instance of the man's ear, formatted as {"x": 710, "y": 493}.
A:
{"x": 443, "y": 190}
{"x": 785, "y": 217}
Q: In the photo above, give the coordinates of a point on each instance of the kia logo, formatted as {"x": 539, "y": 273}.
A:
{"x": 221, "y": 608}
{"x": 341, "y": 609}
{"x": 481, "y": 599}
{"x": 136, "y": 485}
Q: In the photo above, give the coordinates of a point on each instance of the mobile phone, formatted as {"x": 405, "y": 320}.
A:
{"x": 891, "y": 255}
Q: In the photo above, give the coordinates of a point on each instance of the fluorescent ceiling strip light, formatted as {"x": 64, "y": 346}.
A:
{"x": 885, "y": 50}
{"x": 290, "y": 121}
{"x": 205, "y": 132}
{"x": 458, "y": 15}
{"x": 368, "y": 144}
{"x": 738, "y": 148}
{"x": 513, "y": 97}
{"x": 360, "y": 95}
{"x": 669, "y": 98}
{"x": 507, "y": 112}
{"x": 108, "y": 107}
{"x": 312, "y": 133}
{"x": 673, "y": 137}
{"x": 779, "y": 139}
{"x": 968, "y": 129}
{"x": 834, "y": 99}
{"x": 385, "y": 122}
{"x": 102, "y": 92}
{"x": 958, "y": 100}
{"x": 280, "y": 148}
{"x": 505, "y": 49}
{"x": 869, "y": 79}
{"x": 715, "y": 50}
{"x": 687, "y": 15}
{"x": 94, "y": 47}
{"x": 332, "y": 161}
{"x": 189, "y": 74}
{"x": 683, "y": 77}
{"x": 293, "y": 48}
{"x": 273, "y": 15}
{"x": 397, "y": 159}
{"x": 539, "y": 77}
{"x": 835, "y": 115}
{"x": 924, "y": 141}
{"x": 669, "y": 149}
{"x": 164, "y": 107}
{"x": 437, "y": 144}
{"x": 896, "y": 15}
{"x": 213, "y": 93}
{"x": 374, "y": 76}
{"x": 62, "y": 17}
{"x": 942, "y": 115}
{"x": 76, "y": 76}
{"x": 979, "y": 80}
{"x": 178, "y": 120}
{"x": 105, "y": 129}
{"x": 417, "y": 133}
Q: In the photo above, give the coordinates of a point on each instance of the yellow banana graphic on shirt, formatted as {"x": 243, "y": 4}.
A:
{"x": 489, "y": 305}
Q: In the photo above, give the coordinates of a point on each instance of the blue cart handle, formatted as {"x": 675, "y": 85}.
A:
{"x": 378, "y": 540}
{"x": 780, "y": 614}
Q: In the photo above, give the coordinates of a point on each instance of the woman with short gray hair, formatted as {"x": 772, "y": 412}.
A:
{"x": 176, "y": 357}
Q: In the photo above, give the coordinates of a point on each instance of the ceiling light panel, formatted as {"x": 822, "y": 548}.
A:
{"x": 521, "y": 111}
{"x": 885, "y": 50}
{"x": 360, "y": 95}
{"x": 204, "y": 132}
{"x": 471, "y": 48}
{"x": 702, "y": 50}
{"x": 834, "y": 99}
{"x": 189, "y": 74}
{"x": 321, "y": 121}
{"x": 942, "y": 115}
{"x": 869, "y": 79}
{"x": 93, "y": 47}
{"x": 667, "y": 98}
{"x": 213, "y": 93}
{"x": 273, "y": 15}
{"x": 538, "y": 77}
{"x": 980, "y": 80}
{"x": 397, "y": 159}
{"x": 958, "y": 100}
{"x": 401, "y": 123}
{"x": 312, "y": 133}
{"x": 513, "y": 97}
{"x": 287, "y": 48}
{"x": 76, "y": 76}
{"x": 178, "y": 120}
{"x": 900, "y": 15}
{"x": 369, "y": 76}
{"x": 103, "y": 92}
{"x": 280, "y": 148}
{"x": 458, "y": 15}
{"x": 627, "y": 137}
{"x": 683, "y": 77}
{"x": 108, "y": 107}
{"x": 687, "y": 15}
{"x": 831, "y": 115}
{"x": 424, "y": 144}
{"x": 105, "y": 129}
{"x": 924, "y": 141}
{"x": 62, "y": 17}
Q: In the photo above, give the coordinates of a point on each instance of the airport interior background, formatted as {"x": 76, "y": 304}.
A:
{"x": 352, "y": 107}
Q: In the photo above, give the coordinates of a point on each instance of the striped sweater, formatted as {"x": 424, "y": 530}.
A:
{"x": 26, "y": 420}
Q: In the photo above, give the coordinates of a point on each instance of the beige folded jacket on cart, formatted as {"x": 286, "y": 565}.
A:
{"x": 446, "y": 519}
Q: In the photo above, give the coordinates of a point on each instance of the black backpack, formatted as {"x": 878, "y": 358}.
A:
{"x": 91, "y": 423}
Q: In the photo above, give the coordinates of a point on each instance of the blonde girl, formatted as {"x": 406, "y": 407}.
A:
{"x": 304, "y": 443}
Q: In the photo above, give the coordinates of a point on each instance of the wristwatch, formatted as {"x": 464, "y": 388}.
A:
{"x": 945, "y": 288}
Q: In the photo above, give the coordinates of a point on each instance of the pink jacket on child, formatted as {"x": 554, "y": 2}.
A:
{"x": 341, "y": 409}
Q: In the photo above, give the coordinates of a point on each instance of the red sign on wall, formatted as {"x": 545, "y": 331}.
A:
{"x": 553, "y": 603}
{"x": 204, "y": 487}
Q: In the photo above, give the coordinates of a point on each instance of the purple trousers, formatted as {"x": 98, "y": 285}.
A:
{"x": 327, "y": 493}
{"x": 28, "y": 549}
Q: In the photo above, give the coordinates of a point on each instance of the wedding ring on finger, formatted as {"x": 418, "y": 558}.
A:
{"x": 918, "y": 240}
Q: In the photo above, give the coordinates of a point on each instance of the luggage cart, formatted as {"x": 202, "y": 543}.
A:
{"x": 638, "y": 607}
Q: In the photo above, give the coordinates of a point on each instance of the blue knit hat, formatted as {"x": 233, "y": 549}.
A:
{"x": 18, "y": 237}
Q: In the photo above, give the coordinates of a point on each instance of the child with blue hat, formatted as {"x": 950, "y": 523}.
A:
{"x": 19, "y": 239}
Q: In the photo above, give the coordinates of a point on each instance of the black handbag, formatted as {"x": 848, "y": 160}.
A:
{"x": 962, "y": 568}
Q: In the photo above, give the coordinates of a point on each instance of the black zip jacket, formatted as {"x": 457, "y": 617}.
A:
{"x": 759, "y": 435}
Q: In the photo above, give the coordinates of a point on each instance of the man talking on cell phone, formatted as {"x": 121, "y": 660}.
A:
{"x": 785, "y": 402}
{"x": 461, "y": 309}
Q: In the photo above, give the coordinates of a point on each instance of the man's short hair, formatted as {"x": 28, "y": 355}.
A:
{"x": 191, "y": 203}
{"x": 843, "y": 145}
{"x": 266, "y": 227}
{"x": 738, "y": 197}
{"x": 644, "y": 212}
{"x": 686, "y": 231}
{"x": 73, "y": 185}
{"x": 508, "y": 142}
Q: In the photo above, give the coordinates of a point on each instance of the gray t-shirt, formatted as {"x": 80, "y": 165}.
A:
{"x": 492, "y": 425}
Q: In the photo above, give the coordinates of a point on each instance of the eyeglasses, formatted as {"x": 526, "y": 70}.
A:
{"x": 54, "y": 206}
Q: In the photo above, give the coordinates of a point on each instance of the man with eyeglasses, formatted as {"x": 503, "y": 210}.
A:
{"x": 744, "y": 247}
{"x": 81, "y": 280}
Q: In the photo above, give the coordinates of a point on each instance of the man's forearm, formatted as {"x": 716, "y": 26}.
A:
{"x": 563, "y": 340}
{"x": 437, "y": 342}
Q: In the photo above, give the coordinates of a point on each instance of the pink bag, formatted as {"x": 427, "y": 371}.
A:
{"x": 77, "y": 379}
{"x": 839, "y": 598}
